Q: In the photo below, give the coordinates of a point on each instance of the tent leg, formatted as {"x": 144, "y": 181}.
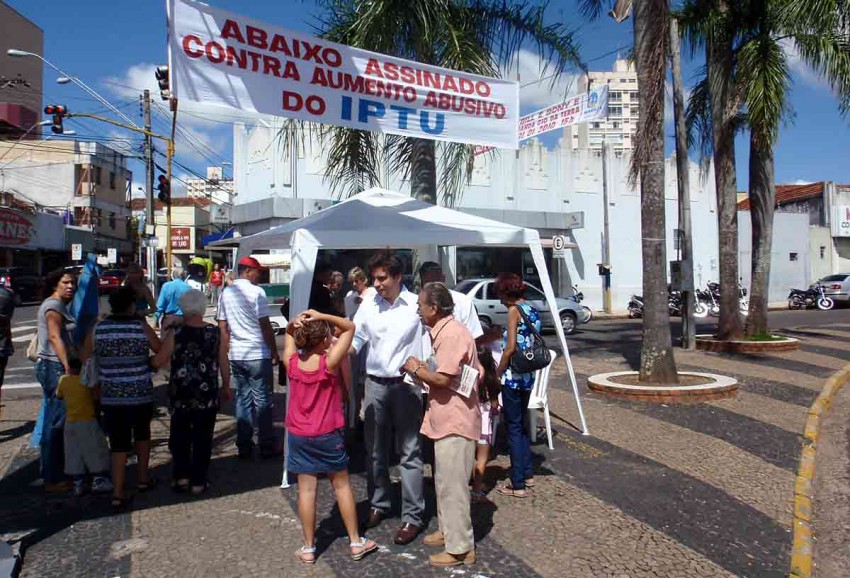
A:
{"x": 540, "y": 262}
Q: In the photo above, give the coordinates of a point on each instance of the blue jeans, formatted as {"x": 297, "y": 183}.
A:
{"x": 253, "y": 382}
{"x": 52, "y": 441}
{"x": 515, "y": 412}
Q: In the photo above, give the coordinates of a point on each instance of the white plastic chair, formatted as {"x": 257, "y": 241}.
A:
{"x": 539, "y": 399}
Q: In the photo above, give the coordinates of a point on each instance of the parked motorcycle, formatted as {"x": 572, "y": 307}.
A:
{"x": 635, "y": 307}
{"x": 812, "y": 297}
{"x": 674, "y": 302}
{"x": 578, "y": 297}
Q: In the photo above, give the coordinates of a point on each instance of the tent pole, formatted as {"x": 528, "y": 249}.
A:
{"x": 546, "y": 283}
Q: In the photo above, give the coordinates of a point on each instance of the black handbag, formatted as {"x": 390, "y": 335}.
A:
{"x": 532, "y": 358}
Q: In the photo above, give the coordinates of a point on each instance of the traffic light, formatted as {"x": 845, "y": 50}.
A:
{"x": 161, "y": 74}
{"x": 164, "y": 188}
{"x": 58, "y": 111}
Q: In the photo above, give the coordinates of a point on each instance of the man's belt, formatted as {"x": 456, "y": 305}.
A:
{"x": 386, "y": 380}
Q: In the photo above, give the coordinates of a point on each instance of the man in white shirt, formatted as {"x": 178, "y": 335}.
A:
{"x": 390, "y": 326}
{"x": 247, "y": 336}
{"x": 465, "y": 312}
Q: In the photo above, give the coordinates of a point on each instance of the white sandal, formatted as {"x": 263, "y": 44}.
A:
{"x": 366, "y": 547}
{"x": 307, "y": 554}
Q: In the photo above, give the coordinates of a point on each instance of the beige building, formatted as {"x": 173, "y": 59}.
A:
{"x": 20, "y": 77}
{"x": 84, "y": 180}
{"x": 216, "y": 187}
{"x": 623, "y": 112}
{"x": 190, "y": 222}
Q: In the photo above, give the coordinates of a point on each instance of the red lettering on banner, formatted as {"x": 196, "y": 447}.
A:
{"x": 257, "y": 37}
{"x": 278, "y": 44}
{"x": 231, "y": 30}
{"x": 188, "y": 50}
{"x": 373, "y": 68}
{"x": 294, "y": 102}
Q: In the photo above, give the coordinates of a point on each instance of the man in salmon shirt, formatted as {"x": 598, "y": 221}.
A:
{"x": 452, "y": 420}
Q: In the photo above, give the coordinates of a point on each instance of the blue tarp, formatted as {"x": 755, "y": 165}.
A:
{"x": 85, "y": 306}
{"x": 213, "y": 237}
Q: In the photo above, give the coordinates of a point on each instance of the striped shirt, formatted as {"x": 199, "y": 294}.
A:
{"x": 242, "y": 305}
{"x": 123, "y": 349}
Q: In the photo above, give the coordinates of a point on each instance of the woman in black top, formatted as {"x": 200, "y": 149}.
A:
{"x": 193, "y": 349}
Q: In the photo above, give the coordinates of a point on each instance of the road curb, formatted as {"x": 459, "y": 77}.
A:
{"x": 803, "y": 547}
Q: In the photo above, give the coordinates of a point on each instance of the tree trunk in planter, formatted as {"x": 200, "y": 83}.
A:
{"x": 720, "y": 60}
{"x": 657, "y": 365}
{"x": 762, "y": 202}
{"x": 423, "y": 170}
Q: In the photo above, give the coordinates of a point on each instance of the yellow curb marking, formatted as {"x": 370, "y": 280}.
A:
{"x": 802, "y": 549}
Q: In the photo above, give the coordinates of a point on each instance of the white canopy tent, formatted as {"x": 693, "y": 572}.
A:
{"x": 380, "y": 218}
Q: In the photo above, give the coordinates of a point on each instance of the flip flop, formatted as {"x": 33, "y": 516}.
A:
{"x": 147, "y": 486}
{"x": 530, "y": 483}
{"x": 508, "y": 490}
{"x": 478, "y": 497}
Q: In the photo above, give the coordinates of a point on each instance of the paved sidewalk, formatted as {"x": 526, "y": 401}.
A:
{"x": 656, "y": 490}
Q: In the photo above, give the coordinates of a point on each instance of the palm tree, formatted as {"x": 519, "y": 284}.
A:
{"x": 651, "y": 20}
{"x": 478, "y": 36}
{"x": 817, "y": 30}
{"x": 745, "y": 51}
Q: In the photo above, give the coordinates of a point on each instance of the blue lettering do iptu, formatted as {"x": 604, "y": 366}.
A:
{"x": 367, "y": 109}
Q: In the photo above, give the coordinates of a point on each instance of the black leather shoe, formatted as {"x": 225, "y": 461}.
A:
{"x": 406, "y": 534}
{"x": 375, "y": 518}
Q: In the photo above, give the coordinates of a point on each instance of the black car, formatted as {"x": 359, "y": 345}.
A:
{"x": 24, "y": 283}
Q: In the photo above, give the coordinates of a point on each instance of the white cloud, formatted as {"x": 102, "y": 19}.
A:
{"x": 536, "y": 87}
{"x": 799, "y": 68}
{"x": 801, "y": 182}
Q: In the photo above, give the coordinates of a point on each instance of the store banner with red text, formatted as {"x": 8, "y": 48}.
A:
{"x": 221, "y": 59}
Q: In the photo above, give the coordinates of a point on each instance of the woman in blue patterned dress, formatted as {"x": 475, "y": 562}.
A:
{"x": 121, "y": 344}
{"x": 516, "y": 387}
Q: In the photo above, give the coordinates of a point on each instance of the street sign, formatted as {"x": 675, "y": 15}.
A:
{"x": 152, "y": 242}
{"x": 676, "y": 275}
{"x": 76, "y": 252}
{"x": 559, "y": 243}
{"x": 112, "y": 256}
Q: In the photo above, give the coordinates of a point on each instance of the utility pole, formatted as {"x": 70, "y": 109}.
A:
{"x": 606, "y": 236}
{"x": 683, "y": 180}
{"x": 149, "y": 212}
{"x": 169, "y": 157}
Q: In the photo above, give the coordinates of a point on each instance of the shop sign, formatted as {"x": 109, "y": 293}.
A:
{"x": 841, "y": 221}
{"x": 15, "y": 229}
{"x": 181, "y": 238}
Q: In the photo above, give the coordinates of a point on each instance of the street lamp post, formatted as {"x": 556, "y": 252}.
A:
{"x": 65, "y": 78}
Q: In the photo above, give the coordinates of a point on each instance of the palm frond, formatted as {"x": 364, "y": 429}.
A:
{"x": 763, "y": 78}
{"x": 698, "y": 119}
{"x": 353, "y": 160}
{"x": 456, "y": 162}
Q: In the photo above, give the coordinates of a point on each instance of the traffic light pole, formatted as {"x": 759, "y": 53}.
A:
{"x": 170, "y": 156}
{"x": 149, "y": 212}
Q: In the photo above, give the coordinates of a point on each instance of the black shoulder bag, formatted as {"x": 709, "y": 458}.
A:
{"x": 533, "y": 358}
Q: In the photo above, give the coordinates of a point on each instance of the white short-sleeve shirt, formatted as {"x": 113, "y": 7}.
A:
{"x": 242, "y": 305}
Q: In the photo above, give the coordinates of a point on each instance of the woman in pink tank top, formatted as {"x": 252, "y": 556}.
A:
{"x": 316, "y": 424}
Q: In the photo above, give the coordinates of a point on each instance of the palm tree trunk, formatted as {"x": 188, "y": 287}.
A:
{"x": 762, "y": 201}
{"x": 723, "y": 107}
{"x": 657, "y": 365}
{"x": 423, "y": 170}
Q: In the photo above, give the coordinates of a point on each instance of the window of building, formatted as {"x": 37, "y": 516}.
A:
{"x": 112, "y": 180}
{"x": 618, "y": 154}
{"x": 634, "y": 111}
{"x": 632, "y": 81}
{"x": 615, "y": 111}
{"x": 823, "y": 252}
{"x": 98, "y": 215}
{"x": 615, "y": 96}
{"x": 615, "y": 125}
{"x": 98, "y": 175}
{"x": 112, "y": 219}
{"x": 792, "y": 257}
{"x": 595, "y": 125}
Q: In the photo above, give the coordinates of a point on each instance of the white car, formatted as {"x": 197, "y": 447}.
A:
{"x": 492, "y": 312}
{"x": 279, "y": 323}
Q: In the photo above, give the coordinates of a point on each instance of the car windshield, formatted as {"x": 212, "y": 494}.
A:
{"x": 466, "y": 286}
{"x": 834, "y": 278}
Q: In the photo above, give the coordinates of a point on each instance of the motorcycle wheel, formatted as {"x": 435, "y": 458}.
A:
{"x": 714, "y": 310}
{"x": 795, "y": 303}
{"x": 825, "y": 304}
{"x": 700, "y": 310}
{"x": 744, "y": 306}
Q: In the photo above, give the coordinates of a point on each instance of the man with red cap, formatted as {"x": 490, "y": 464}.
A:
{"x": 248, "y": 338}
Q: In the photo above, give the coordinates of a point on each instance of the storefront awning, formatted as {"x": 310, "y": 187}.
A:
{"x": 278, "y": 261}
{"x": 213, "y": 237}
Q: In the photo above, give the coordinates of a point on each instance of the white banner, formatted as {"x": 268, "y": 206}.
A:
{"x": 221, "y": 59}
{"x": 586, "y": 107}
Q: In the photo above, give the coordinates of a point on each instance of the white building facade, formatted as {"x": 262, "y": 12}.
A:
{"x": 215, "y": 187}
{"x": 552, "y": 191}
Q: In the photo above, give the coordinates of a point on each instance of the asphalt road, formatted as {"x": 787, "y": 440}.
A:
{"x": 20, "y": 378}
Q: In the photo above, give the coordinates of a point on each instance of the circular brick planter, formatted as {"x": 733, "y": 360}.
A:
{"x": 709, "y": 343}
{"x": 713, "y": 387}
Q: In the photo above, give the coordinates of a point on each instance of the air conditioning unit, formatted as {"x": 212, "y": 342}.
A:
{"x": 6, "y": 199}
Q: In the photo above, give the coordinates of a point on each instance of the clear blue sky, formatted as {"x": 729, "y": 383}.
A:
{"x": 104, "y": 42}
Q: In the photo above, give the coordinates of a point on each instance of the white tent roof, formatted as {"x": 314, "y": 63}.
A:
{"x": 381, "y": 218}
